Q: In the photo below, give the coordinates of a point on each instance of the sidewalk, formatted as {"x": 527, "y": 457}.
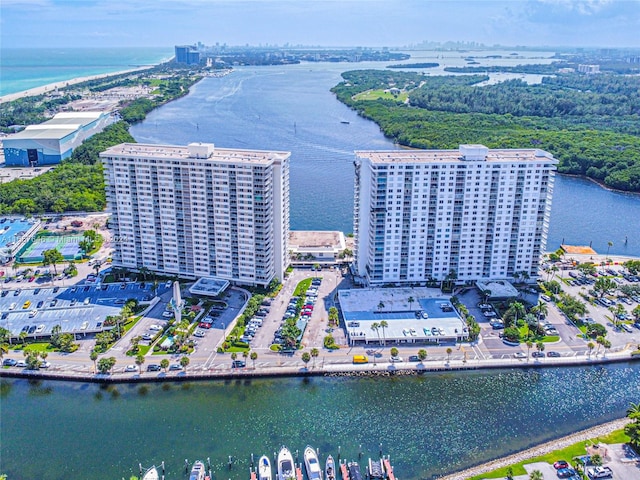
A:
{"x": 273, "y": 364}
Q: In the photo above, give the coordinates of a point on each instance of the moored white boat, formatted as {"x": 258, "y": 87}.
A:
{"x": 264, "y": 468}
{"x": 198, "y": 471}
{"x": 330, "y": 468}
{"x": 151, "y": 474}
{"x": 286, "y": 468}
{"x": 311, "y": 464}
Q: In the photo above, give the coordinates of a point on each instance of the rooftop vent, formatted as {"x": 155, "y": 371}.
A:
{"x": 474, "y": 153}
{"x": 200, "y": 150}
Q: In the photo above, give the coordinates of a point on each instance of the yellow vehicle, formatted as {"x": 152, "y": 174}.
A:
{"x": 360, "y": 359}
{"x": 26, "y": 304}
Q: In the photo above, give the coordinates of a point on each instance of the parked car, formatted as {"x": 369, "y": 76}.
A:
{"x": 9, "y": 362}
{"x": 599, "y": 472}
{"x": 561, "y": 464}
{"x": 538, "y": 354}
{"x": 167, "y": 314}
{"x": 553, "y": 354}
{"x": 393, "y": 359}
{"x": 238, "y": 364}
{"x": 45, "y": 364}
{"x": 175, "y": 366}
{"x": 154, "y": 367}
{"x": 520, "y": 355}
{"x": 565, "y": 472}
{"x": 131, "y": 368}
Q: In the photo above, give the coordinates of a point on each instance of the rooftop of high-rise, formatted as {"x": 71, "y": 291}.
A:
{"x": 195, "y": 151}
{"x": 465, "y": 154}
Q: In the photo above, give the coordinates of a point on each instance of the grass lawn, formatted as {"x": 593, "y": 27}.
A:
{"x": 39, "y": 347}
{"x": 567, "y": 453}
{"x": 143, "y": 349}
{"x": 302, "y": 288}
{"x": 379, "y": 93}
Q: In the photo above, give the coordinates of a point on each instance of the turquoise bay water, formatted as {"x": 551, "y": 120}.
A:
{"x": 429, "y": 424}
{"x": 25, "y": 68}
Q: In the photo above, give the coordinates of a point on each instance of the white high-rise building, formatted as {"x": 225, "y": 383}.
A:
{"x": 199, "y": 211}
{"x": 473, "y": 213}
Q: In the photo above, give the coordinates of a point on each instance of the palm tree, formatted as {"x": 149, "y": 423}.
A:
{"x": 254, "y": 357}
{"x": 536, "y": 475}
{"x": 529, "y": 345}
{"x": 184, "y": 362}
{"x": 541, "y": 309}
{"x": 140, "y": 360}
{"x": 93, "y": 356}
{"x": 633, "y": 412}
{"x": 314, "y": 354}
{"x": 449, "y": 354}
{"x": 590, "y": 346}
{"x": 380, "y": 305}
{"x": 600, "y": 341}
{"x": 410, "y": 300}
{"x": 164, "y": 363}
{"x": 383, "y": 325}
{"x": 234, "y": 356}
{"x": 375, "y": 327}
{"x": 540, "y": 346}
{"x": 609, "y": 245}
{"x": 518, "y": 309}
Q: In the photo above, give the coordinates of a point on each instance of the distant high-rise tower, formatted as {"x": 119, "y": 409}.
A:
{"x": 187, "y": 54}
{"x": 199, "y": 211}
{"x": 473, "y": 213}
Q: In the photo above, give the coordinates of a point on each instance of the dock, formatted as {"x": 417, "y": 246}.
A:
{"x": 344, "y": 471}
{"x": 388, "y": 468}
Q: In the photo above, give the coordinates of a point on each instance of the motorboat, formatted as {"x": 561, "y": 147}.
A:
{"x": 286, "y": 467}
{"x": 354, "y": 471}
{"x": 151, "y": 474}
{"x": 330, "y": 468}
{"x": 375, "y": 469}
{"x": 311, "y": 464}
{"x": 264, "y": 468}
{"x": 198, "y": 471}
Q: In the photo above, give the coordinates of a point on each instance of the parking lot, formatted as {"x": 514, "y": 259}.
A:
{"x": 78, "y": 309}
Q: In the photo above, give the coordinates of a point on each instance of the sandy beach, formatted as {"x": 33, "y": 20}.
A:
{"x": 65, "y": 83}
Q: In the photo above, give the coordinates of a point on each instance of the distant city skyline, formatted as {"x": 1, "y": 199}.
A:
{"x": 393, "y": 23}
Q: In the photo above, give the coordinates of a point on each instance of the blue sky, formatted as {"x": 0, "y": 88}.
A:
{"x": 119, "y": 23}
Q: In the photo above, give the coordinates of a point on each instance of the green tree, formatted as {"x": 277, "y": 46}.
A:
{"x": 536, "y": 475}
{"x": 314, "y": 354}
{"x": 604, "y": 286}
{"x": 449, "y": 351}
{"x": 184, "y": 362}
{"x": 375, "y": 326}
{"x": 529, "y": 346}
{"x": 633, "y": 429}
{"x": 394, "y": 352}
{"x": 140, "y": 360}
{"x": 410, "y": 300}
{"x": 306, "y": 358}
{"x": 105, "y": 364}
{"x": 384, "y": 324}
{"x": 93, "y": 355}
{"x": 422, "y": 354}
{"x": 590, "y": 346}
{"x": 52, "y": 257}
{"x": 540, "y": 346}
{"x": 254, "y": 357}
{"x": 164, "y": 363}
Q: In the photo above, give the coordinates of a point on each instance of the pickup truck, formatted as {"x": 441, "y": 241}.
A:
{"x": 599, "y": 472}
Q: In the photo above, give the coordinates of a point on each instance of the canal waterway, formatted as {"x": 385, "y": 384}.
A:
{"x": 429, "y": 424}
{"x": 291, "y": 108}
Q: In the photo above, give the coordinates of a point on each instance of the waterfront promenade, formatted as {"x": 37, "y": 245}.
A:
{"x": 328, "y": 363}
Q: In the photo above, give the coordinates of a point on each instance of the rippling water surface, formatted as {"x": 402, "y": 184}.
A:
{"x": 430, "y": 424}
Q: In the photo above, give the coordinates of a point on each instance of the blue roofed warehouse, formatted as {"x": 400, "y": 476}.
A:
{"x": 54, "y": 140}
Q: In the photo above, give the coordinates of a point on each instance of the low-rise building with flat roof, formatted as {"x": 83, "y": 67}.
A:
{"x": 15, "y": 232}
{"x": 52, "y": 141}
{"x": 412, "y": 315}
{"x": 311, "y": 247}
